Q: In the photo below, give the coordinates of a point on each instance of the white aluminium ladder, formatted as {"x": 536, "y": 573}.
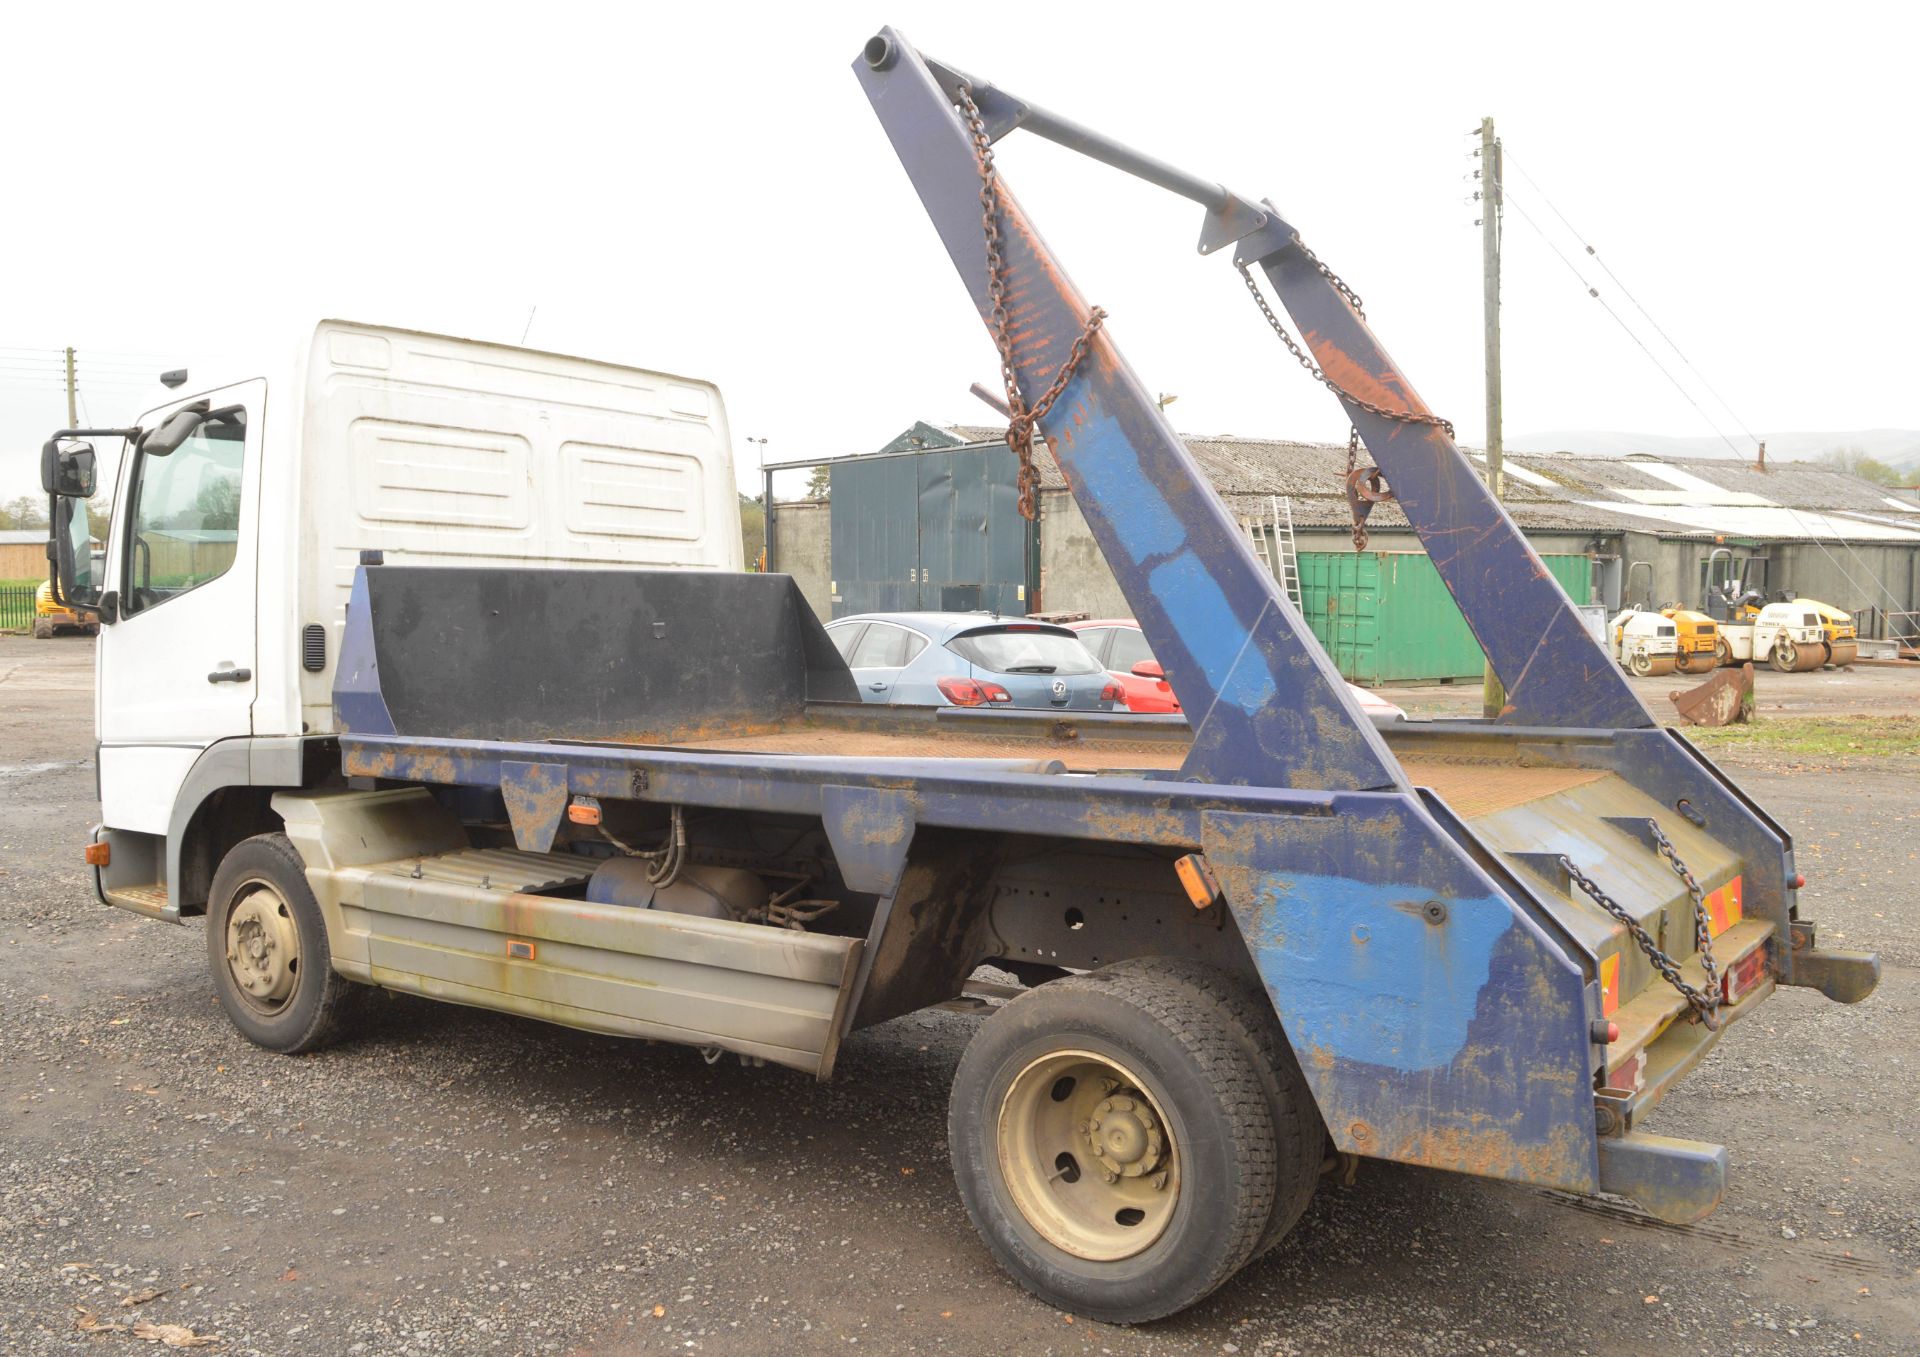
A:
{"x": 1273, "y": 545}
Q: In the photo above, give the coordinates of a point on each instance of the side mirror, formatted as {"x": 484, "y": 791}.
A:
{"x": 68, "y": 471}
{"x": 75, "y": 569}
{"x": 1149, "y": 669}
{"x": 179, "y": 427}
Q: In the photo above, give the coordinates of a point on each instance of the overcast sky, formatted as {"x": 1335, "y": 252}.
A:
{"x": 704, "y": 189}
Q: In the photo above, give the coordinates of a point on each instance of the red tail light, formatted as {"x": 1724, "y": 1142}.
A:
{"x": 966, "y": 692}
{"x": 1745, "y": 973}
{"x": 1113, "y": 693}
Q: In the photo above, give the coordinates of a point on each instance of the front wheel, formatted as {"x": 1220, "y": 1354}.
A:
{"x": 1113, "y": 1143}
{"x": 1785, "y": 657}
{"x": 267, "y": 948}
{"x": 1641, "y": 664}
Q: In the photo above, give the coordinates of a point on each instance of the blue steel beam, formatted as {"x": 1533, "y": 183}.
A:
{"x": 1555, "y": 673}
{"x": 1268, "y": 706}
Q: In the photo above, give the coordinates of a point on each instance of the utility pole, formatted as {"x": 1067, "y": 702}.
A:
{"x": 73, "y": 414}
{"x": 1493, "y": 694}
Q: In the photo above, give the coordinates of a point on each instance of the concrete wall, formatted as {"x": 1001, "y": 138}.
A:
{"x": 803, "y": 548}
{"x": 1073, "y": 574}
{"x": 1860, "y": 576}
{"x": 1863, "y": 576}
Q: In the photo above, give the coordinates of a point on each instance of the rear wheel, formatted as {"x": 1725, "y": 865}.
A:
{"x": 42, "y": 629}
{"x": 267, "y": 948}
{"x": 1640, "y": 663}
{"x": 1722, "y": 652}
{"x": 1300, "y": 1140}
{"x": 1113, "y": 1144}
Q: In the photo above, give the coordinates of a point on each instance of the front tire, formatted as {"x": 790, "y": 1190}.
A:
{"x": 1113, "y": 1143}
{"x": 267, "y": 949}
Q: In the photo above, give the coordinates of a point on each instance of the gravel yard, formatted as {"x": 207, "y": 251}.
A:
{"x": 460, "y": 1182}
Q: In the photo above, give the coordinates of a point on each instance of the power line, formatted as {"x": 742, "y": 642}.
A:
{"x": 1594, "y": 292}
{"x": 1507, "y": 198}
{"x": 1678, "y": 351}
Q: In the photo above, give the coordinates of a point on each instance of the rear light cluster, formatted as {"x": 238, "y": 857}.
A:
{"x": 966, "y": 692}
{"x": 1114, "y": 693}
{"x": 1743, "y": 975}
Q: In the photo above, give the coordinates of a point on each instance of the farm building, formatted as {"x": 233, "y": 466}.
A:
{"x": 931, "y": 521}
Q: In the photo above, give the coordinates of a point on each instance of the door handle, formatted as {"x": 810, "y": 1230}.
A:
{"x": 230, "y": 676}
{"x": 878, "y": 687}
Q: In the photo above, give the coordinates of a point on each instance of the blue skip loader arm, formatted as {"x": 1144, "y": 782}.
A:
{"x": 1462, "y": 1041}
{"x": 1269, "y": 706}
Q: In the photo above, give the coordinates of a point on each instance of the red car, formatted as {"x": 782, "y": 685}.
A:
{"x": 1120, "y": 646}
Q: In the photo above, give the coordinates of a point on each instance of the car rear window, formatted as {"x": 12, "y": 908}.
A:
{"x": 1025, "y": 650}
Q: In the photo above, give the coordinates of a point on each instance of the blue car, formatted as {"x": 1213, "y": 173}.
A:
{"x": 971, "y": 660}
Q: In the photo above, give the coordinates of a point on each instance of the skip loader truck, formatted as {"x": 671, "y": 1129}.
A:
{"x": 430, "y": 665}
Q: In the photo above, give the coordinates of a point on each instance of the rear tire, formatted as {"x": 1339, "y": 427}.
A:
{"x": 1300, "y": 1140}
{"x": 42, "y": 629}
{"x": 267, "y": 949}
{"x": 1185, "y": 1157}
{"x": 1722, "y": 652}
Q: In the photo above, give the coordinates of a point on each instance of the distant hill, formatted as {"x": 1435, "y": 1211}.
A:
{"x": 1896, "y": 447}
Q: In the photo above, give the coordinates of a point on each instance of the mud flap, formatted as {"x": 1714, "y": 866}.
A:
{"x": 1678, "y": 1181}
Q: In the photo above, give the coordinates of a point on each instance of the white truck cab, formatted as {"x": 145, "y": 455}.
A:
{"x": 241, "y": 510}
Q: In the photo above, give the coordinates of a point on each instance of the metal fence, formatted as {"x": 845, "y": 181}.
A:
{"x": 16, "y": 606}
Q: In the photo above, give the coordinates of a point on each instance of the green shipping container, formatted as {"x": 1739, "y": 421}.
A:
{"x": 1385, "y": 616}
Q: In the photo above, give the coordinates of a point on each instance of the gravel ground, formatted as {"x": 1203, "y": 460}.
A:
{"x": 460, "y": 1182}
{"x": 1858, "y": 690}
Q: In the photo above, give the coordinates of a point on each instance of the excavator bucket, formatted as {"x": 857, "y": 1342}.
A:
{"x": 1722, "y": 700}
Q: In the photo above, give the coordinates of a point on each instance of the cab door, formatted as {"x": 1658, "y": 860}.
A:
{"x": 176, "y": 667}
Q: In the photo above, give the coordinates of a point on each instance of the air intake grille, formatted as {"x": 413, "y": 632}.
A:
{"x": 313, "y": 648}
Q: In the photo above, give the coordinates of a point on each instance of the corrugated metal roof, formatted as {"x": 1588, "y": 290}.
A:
{"x": 1670, "y": 497}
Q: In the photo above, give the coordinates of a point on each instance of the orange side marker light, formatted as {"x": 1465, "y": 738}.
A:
{"x": 519, "y": 950}
{"x": 584, "y": 810}
{"x": 99, "y": 854}
{"x": 1203, "y": 888}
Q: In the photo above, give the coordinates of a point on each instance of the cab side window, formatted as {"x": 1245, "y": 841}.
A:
{"x": 183, "y": 527}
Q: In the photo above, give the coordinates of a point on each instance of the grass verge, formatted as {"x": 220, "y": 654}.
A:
{"x": 1836, "y": 737}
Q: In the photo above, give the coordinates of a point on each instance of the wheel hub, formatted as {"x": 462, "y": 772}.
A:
{"x": 1087, "y": 1156}
{"x": 1125, "y": 1137}
{"x": 263, "y": 948}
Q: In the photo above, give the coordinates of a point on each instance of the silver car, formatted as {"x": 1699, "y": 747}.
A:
{"x": 971, "y": 660}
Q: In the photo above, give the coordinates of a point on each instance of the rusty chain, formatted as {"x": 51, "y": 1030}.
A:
{"x": 1022, "y": 417}
{"x": 1707, "y": 1003}
{"x": 1362, "y": 485}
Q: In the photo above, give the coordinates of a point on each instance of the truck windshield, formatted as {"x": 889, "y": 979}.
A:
{"x": 1025, "y": 650}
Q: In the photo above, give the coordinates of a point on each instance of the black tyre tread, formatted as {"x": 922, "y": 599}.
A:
{"x": 340, "y": 999}
{"x": 1300, "y": 1138}
{"x": 1202, "y": 1024}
